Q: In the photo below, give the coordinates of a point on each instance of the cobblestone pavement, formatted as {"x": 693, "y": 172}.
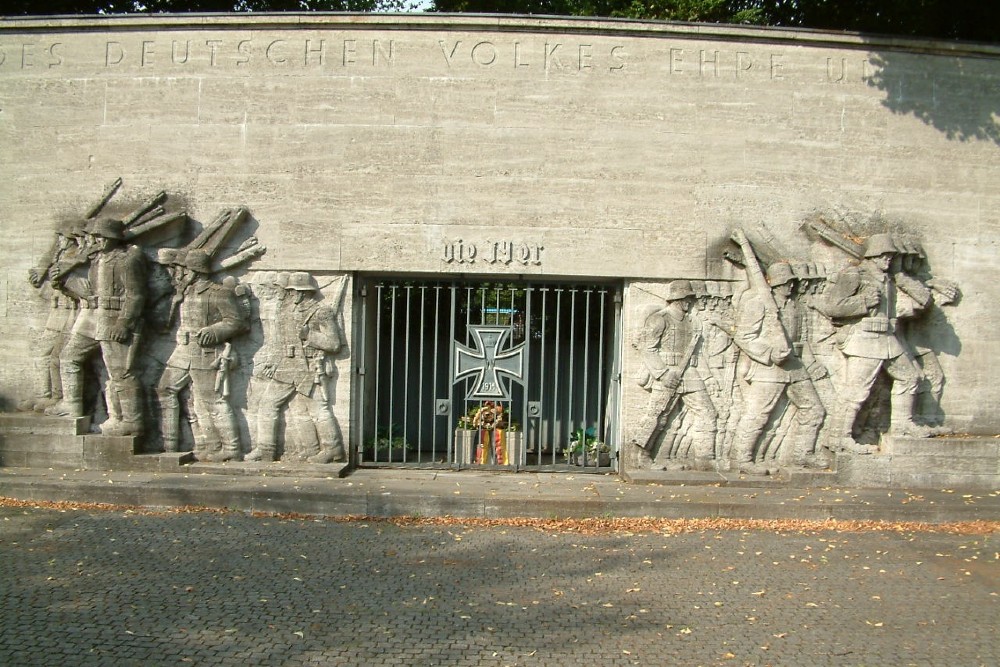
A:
{"x": 115, "y": 588}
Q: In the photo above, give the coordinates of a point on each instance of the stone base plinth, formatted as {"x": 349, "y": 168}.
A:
{"x": 971, "y": 462}
{"x": 35, "y": 441}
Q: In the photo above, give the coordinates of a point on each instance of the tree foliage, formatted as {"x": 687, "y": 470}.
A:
{"x": 53, "y": 7}
{"x": 951, "y": 19}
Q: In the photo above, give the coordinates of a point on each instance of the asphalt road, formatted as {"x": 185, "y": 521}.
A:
{"x": 120, "y": 588}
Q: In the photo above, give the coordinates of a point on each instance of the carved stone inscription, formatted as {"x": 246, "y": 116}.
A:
{"x": 802, "y": 361}
{"x": 493, "y": 252}
{"x": 345, "y": 51}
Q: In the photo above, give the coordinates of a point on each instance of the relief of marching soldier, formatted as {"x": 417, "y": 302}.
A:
{"x": 111, "y": 296}
{"x": 675, "y": 376}
{"x": 870, "y": 304}
{"x": 292, "y": 375}
{"x": 66, "y": 255}
{"x": 768, "y": 331}
{"x": 922, "y": 332}
{"x": 209, "y": 318}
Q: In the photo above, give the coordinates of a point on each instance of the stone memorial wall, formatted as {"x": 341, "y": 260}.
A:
{"x": 801, "y": 225}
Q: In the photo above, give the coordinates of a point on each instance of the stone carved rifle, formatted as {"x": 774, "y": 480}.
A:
{"x": 53, "y": 258}
{"x": 823, "y": 230}
{"x": 671, "y": 402}
{"x": 758, "y": 283}
{"x": 109, "y": 192}
{"x": 150, "y": 205}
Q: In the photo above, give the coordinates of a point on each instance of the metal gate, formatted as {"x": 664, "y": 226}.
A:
{"x": 426, "y": 346}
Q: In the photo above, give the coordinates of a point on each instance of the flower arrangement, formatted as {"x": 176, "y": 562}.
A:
{"x": 489, "y": 416}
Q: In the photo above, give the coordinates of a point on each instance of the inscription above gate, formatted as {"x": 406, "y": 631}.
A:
{"x": 493, "y": 252}
{"x": 487, "y": 362}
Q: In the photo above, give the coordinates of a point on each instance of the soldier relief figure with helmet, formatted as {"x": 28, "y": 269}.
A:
{"x": 98, "y": 290}
{"x": 291, "y": 375}
{"x": 111, "y": 296}
{"x": 209, "y": 318}
{"x": 865, "y": 303}
{"x": 813, "y": 339}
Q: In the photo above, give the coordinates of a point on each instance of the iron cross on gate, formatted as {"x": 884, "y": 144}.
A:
{"x": 488, "y": 362}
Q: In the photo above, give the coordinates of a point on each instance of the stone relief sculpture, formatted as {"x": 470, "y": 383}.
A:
{"x": 769, "y": 334}
{"x": 801, "y": 360}
{"x": 112, "y": 298}
{"x": 675, "y": 374}
{"x": 292, "y": 373}
{"x": 210, "y": 317}
{"x": 108, "y": 279}
{"x": 865, "y": 303}
{"x": 791, "y": 358}
{"x": 49, "y": 278}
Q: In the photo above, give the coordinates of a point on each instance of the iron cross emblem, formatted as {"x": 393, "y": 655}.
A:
{"x": 487, "y": 362}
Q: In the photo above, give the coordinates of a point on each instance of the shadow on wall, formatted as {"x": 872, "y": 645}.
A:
{"x": 959, "y": 96}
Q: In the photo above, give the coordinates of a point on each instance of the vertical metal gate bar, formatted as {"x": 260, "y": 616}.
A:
{"x": 556, "y": 438}
{"x": 451, "y": 360}
{"x": 378, "y": 364}
{"x": 361, "y": 354}
{"x": 541, "y": 387}
{"x": 437, "y": 354}
{"x": 405, "y": 384}
{"x": 602, "y": 294}
{"x": 392, "y": 369}
{"x": 468, "y": 324}
{"x": 586, "y": 368}
{"x": 571, "y": 393}
{"x": 526, "y": 333}
{"x": 420, "y": 379}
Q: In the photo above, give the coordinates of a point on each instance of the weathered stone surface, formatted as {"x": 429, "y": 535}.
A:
{"x": 507, "y": 147}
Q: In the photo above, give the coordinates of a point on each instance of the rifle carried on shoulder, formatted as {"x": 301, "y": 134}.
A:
{"x": 758, "y": 283}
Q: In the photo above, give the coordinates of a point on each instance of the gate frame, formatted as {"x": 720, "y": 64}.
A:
{"x": 360, "y": 372}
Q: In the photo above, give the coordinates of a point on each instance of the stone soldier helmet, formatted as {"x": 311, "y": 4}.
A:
{"x": 281, "y": 279}
{"x": 880, "y": 244}
{"x": 73, "y": 228}
{"x": 168, "y": 256}
{"x": 108, "y": 228}
{"x": 302, "y": 281}
{"x": 198, "y": 261}
{"x": 679, "y": 289}
{"x": 779, "y": 273}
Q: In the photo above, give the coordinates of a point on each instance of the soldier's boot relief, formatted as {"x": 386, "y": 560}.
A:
{"x": 71, "y": 404}
{"x": 130, "y": 421}
{"x": 261, "y": 452}
{"x": 226, "y": 453}
{"x": 901, "y": 423}
{"x": 328, "y": 454}
{"x": 44, "y": 403}
{"x": 28, "y": 404}
{"x": 230, "y": 434}
{"x": 171, "y": 438}
{"x": 818, "y": 460}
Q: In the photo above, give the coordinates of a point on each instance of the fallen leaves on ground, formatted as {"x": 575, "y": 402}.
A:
{"x": 593, "y": 525}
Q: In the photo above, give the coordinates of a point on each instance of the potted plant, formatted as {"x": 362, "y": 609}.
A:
{"x": 585, "y": 449}
{"x": 389, "y": 448}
